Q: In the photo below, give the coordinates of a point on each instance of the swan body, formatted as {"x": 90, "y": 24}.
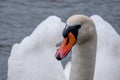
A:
{"x": 33, "y": 58}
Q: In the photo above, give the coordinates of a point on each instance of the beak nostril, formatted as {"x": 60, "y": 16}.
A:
{"x": 58, "y": 57}
{"x": 67, "y": 41}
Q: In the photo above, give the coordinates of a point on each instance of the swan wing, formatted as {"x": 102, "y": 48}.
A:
{"x": 33, "y": 58}
{"x": 108, "y": 51}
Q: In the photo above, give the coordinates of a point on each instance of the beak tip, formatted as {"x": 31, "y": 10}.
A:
{"x": 58, "y": 57}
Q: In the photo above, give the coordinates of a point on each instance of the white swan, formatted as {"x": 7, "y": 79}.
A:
{"x": 83, "y": 57}
{"x": 33, "y": 58}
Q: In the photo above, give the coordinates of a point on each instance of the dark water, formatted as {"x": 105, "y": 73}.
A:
{"x": 18, "y": 18}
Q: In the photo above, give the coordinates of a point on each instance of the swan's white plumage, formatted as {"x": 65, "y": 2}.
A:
{"x": 67, "y": 70}
{"x": 33, "y": 58}
{"x": 27, "y": 61}
{"x": 108, "y": 51}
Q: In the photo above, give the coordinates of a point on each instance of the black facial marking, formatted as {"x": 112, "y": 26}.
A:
{"x": 73, "y": 29}
{"x": 65, "y": 32}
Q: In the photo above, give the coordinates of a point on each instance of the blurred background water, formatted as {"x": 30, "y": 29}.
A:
{"x": 18, "y": 18}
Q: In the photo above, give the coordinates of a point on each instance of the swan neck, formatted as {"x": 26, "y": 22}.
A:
{"x": 83, "y": 61}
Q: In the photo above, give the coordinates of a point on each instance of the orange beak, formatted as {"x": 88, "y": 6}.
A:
{"x": 66, "y": 46}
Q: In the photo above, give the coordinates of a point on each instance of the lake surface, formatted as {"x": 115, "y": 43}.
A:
{"x": 18, "y": 18}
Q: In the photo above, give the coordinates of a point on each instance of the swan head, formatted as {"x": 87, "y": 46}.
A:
{"x": 79, "y": 30}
